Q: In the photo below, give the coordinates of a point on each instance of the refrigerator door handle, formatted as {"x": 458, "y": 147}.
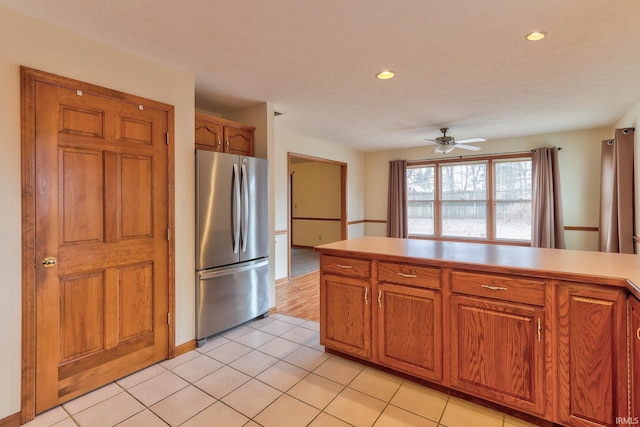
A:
{"x": 245, "y": 209}
{"x": 235, "y": 215}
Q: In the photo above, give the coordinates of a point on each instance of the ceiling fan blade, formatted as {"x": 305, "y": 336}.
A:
{"x": 467, "y": 147}
{"x": 469, "y": 140}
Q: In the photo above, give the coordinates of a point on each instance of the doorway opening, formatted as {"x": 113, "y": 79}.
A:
{"x": 317, "y": 209}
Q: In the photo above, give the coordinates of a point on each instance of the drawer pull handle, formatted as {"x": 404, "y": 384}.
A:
{"x": 638, "y": 333}
{"x": 410, "y": 276}
{"x": 344, "y": 266}
{"x": 495, "y": 288}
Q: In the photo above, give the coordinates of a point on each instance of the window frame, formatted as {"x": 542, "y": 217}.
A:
{"x": 490, "y": 161}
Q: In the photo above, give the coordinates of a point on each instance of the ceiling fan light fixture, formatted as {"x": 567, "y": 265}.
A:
{"x": 385, "y": 75}
{"x": 443, "y": 149}
{"x": 535, "y": 36}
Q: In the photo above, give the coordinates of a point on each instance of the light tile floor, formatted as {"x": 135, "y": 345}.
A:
{"x": 268, "y": 372}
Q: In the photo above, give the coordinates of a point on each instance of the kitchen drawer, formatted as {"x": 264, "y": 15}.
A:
{"x": 407, "y": 274}
{"x": 345, "y": 266}
{"x": 507, "y": 288}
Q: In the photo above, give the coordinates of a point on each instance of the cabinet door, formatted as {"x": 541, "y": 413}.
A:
{"x": 208, "y": 135}
{"x": 410, "y": 330}
{"x": 345, "y": 315}
{"x": 238, "y": 141}
{"x": 634, "y": 374}
{"x": 497, "y": 351}
{"x": 592, "y": 357}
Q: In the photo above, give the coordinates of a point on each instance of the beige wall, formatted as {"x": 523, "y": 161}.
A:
{"x": 579, "y": 171}
{"x": 316, "y": 194}
{"x": 48, "y": 48}
{"x": 291, "y": 142}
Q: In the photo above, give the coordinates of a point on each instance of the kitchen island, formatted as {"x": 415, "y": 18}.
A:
{"x": 549, "y": 333}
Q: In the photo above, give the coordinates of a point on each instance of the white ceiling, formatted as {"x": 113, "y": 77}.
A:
{"x": 462, "y": 64}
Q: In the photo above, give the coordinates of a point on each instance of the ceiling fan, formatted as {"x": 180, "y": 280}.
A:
{"x": 446, "y": 144}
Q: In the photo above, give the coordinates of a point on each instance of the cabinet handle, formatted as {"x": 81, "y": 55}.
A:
{"x": 539, "y": 329}
{"x": 227, "y": 143}
{"x": 411, "y": 276}
{"x": 219, "y": 142}
{"x": 638, "y": 333}
{"x": 380, "y": 300}
{"x": 495, "y": 288}
{"x": 366, "y": 296}
{"x": 344, "y": 266}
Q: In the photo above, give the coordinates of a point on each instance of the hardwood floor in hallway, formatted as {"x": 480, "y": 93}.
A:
{"x": 300, "y": 297}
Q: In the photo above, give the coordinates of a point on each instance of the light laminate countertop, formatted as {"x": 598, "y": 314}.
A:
{"x": 621, "y": 270}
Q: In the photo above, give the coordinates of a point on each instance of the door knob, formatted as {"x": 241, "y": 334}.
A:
{"x": 49, "y": 262}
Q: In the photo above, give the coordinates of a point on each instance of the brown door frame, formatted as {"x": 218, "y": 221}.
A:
{"x": 343, "y": 198}
{"x": 28, "y": 80}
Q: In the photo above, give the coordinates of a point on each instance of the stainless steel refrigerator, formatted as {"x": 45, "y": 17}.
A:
{"x": 232, "y": 241}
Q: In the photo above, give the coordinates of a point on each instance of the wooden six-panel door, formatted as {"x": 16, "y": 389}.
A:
{"x": 101, "y": 245}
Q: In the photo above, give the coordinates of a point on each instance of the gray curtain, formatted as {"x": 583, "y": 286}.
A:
{"x": 547, "y": 228}
{"x": 397, "y": 222}
{"x": 616, "y": 193}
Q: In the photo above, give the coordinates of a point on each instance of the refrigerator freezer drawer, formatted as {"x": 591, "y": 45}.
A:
{"x": 229, "y": 296}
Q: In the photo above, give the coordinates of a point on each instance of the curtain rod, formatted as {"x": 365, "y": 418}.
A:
{"x": 486, "y": 155}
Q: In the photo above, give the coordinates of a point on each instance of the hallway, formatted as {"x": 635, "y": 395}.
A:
{"x": 300, "y": 297}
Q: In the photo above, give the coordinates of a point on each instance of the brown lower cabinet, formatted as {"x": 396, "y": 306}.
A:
{"x": 556, "y": 350}
{"x": 634, "y": 347}
{"x": 409, "y": 335}
{"x": 592, "y": 357}
{"x": 345, "y": 306}
{"x": 497, "y": 352}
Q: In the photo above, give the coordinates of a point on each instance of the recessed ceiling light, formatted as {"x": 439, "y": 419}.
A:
{"x": 385, "y": 75}
{"x": 535, "y": 36}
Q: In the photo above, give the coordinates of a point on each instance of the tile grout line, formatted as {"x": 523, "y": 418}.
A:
{"x": 439, "y": 422}
{"x": 279, "y": 359}
{"x": 309, "y": 369}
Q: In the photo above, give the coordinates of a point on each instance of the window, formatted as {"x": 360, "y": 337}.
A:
{"x": 463, "y": 200}
{"x": 513, "y": 199}
{"x": 420, "y": 200}
{"x": 488, "y": 199}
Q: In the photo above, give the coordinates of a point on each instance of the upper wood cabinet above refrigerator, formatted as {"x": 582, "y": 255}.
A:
{"x": 217, "y": 134}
